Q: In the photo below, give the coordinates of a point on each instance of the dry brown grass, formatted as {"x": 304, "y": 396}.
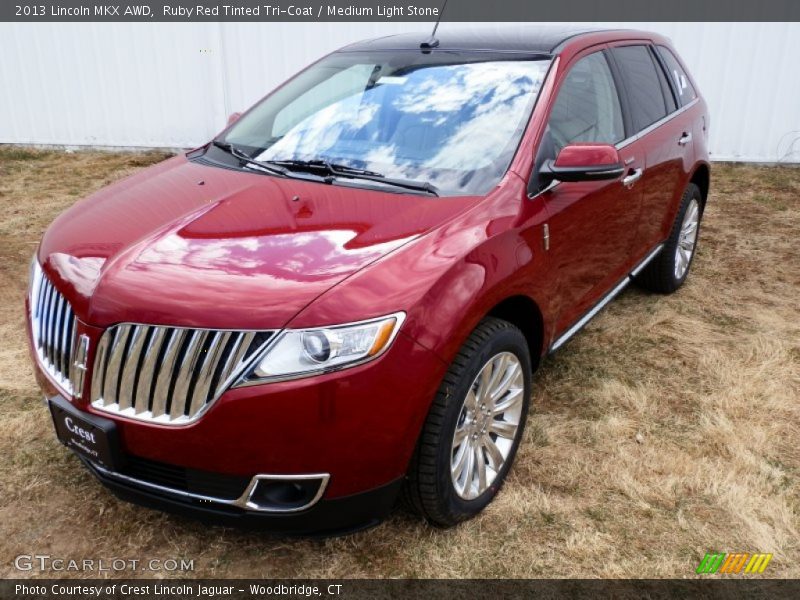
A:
{"x": 668, "y": 428}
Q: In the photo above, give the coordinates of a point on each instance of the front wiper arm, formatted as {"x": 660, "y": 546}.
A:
{"x": 337, "y": 170}
{"x": 408, "y": 184}
{"x": 236, "y": 152}
{"x": 323, "y": 165}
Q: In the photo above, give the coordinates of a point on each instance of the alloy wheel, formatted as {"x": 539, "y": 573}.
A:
{"x": 687, "y": 239}
{"x": 487, "y": 425}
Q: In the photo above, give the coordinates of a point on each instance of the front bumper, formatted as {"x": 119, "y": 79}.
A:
{"x": 336, "y": 516}
{"x": 359, "y": 426}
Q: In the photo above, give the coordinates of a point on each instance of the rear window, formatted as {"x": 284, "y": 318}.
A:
{"x": 643, "y": 86}
{"x": 683, "y": 86}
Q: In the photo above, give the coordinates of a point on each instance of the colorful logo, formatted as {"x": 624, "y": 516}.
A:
{"x": 742, "y": 562}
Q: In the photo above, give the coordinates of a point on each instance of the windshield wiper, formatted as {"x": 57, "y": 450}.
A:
{"x": 338, "y": 170}
{"x": 323, "y": 165}
{"x": 242, "y": 156}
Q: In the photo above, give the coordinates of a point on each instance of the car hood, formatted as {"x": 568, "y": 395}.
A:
{"x": 188, "y": 244}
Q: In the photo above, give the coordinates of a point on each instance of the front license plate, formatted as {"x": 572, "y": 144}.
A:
{"x": 92, "y": 437}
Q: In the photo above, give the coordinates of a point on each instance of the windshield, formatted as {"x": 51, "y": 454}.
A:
{"x": 451, "y": 119}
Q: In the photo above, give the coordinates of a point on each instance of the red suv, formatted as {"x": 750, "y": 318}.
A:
{"x": 344, "y": 295}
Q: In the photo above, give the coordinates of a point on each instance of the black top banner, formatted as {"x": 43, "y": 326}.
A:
{"x": 406, "y": 10}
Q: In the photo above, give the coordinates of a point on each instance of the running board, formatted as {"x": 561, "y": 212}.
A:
{"x": 579, "y": 324}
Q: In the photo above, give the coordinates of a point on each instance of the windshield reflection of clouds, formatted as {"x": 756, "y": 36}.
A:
{"x": 454, "y": 126}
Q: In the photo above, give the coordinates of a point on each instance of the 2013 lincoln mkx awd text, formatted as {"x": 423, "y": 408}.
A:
{"x": 343, "y": 296}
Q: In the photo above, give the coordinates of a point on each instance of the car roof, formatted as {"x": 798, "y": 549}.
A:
{"x": 529, "y": 39}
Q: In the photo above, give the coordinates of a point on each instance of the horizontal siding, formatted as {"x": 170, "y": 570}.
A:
{"x": 173, "y": 84}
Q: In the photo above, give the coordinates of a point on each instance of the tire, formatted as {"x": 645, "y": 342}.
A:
{"x": 431, "y": 488}
{"x": 667, "y": 271}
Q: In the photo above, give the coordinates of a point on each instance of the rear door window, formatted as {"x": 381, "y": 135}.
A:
{"x": 666, "y": 90}
{"x": 645, "y": 92}
{"x": 680, "y": 81}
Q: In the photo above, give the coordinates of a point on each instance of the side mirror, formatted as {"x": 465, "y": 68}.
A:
{"x": 583, "y": 162}
{"x": 233, "y": 118}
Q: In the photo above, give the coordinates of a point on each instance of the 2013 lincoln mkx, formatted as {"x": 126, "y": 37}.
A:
{"x": 343, "y": 297}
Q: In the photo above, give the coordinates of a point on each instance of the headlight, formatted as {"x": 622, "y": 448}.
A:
{"x": 303, "y": 352}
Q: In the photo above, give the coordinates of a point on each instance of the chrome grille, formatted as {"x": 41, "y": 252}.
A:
{"x": 53, "y": 327}
{"x": 169, "y": 375}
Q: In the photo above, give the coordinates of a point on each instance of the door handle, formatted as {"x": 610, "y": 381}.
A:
{"x": 634, "y": 176}
{"x": 685, "y": 139}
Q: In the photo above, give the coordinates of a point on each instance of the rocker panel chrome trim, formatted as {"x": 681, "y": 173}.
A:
{"x": 580, "y": 323}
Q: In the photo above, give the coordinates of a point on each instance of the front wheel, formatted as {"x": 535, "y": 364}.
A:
{"x": 474, "y": 427}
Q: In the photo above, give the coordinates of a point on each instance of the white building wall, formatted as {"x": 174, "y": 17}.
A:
{"x": 174, "y": 84}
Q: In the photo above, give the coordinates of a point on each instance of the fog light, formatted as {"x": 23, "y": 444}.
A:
{"x": 286, "y": 495}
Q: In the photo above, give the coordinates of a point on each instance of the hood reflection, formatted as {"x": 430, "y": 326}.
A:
{"x": 82, "y": 273}
{"x": 246, "y": 251}
{"x": 288, "y": 256}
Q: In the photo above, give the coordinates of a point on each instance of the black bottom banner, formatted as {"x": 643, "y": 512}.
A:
{"x": 244, "y": 589}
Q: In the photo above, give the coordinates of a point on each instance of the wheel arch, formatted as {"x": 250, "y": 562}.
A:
{"x": 701, "y": 177}
{"x": 524, "y": 313}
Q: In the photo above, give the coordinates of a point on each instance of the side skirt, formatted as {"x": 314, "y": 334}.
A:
{"x": 592, "y": 312}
